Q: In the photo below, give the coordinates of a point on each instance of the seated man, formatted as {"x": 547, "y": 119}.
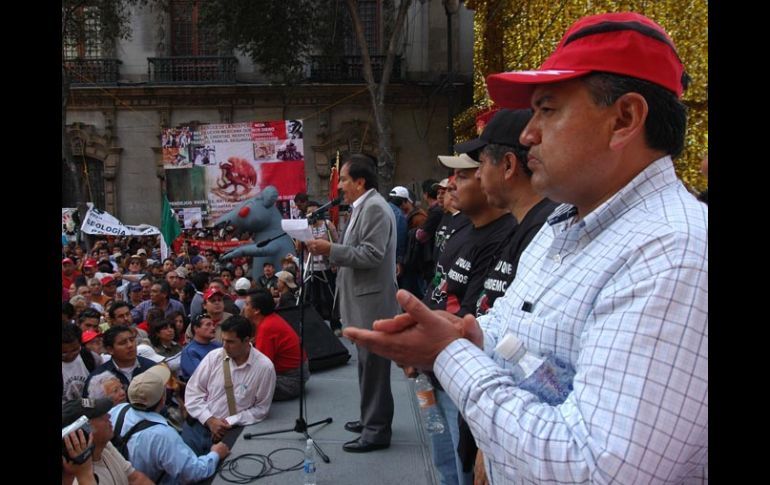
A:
{"x": 202, "y": 343}
{"x": 158, "y": 451}
{"x": 212, "y": 409}
{"x": 279, "y": 342}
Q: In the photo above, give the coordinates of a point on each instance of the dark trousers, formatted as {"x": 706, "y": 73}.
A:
{"x": 321, "y": 294}
{"x": 376, "y": 397}
{"x": 196, "y": 436}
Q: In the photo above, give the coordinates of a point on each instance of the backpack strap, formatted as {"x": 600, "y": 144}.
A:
{"x": 116, "y": 439}
{"x": 143, "y": 424}
{"x": 121, "y": 442}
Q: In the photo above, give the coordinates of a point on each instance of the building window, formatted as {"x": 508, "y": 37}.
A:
{"x": 83, "y": 39}
{"x": 369, "y": 14}
{"x": 188, "y": 37}
{"x": 94, "y": 188}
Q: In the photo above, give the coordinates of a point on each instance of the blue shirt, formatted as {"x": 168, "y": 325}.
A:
{"x": 139, "y": 313}
{"x": 192, "y": 355}
{"x": 160, "y": 448}
{"x": 402, "y": 230}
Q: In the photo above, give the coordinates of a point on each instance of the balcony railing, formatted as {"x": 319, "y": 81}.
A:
{"x": 192, "y": 70}
{"x": 349, "y": 69}
{"x": 83, "y": 72}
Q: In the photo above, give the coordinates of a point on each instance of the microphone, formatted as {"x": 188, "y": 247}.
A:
{"x": 267, "y": 241}
{"x": 328, "y": 205}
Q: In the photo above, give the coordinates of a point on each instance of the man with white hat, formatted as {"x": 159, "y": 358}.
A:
{"x": 615, "y": 283}
{"x": 415, "y": 217}
{"x": 242, "y": 287}
{"x": 158, "y": 451}
{"x": 459, "y": 281}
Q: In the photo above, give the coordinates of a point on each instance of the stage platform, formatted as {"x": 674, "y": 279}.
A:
{"x": 334, "y": 393}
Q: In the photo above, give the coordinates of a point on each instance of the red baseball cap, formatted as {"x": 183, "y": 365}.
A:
{"x": 67, "y": 261}
{"x": 107, "y": 280}
{"x": 214, "y": 290}
{"x": 89, "y": 335}
{"x": 90, "y": 263}
{"x": 624, "y": 43}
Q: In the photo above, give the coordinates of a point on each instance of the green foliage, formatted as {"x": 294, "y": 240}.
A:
{"x": 112, "y": 16}
{"x": 278, "y": 35}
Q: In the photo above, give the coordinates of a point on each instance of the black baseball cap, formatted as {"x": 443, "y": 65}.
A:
{"x": 91, "y": 408}
{"x": 504, "y": 128}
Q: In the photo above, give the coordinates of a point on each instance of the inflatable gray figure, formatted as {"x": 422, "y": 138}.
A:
{"x": 262, "y": 219}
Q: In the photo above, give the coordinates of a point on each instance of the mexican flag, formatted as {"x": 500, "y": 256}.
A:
{"x": 169, "y": 227}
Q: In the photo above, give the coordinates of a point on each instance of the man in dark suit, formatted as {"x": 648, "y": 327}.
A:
{"x": 366, "y": 282}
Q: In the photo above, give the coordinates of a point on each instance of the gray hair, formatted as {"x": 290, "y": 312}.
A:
{"x": 96, "y": 385}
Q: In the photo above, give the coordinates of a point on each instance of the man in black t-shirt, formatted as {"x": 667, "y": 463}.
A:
{"x": 457, "y": 283}
{"x": 505, "y": 179}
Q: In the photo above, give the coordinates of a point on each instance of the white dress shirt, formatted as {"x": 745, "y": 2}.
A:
{"x": 354, "y": 212}
{"x": 253, "y": 387}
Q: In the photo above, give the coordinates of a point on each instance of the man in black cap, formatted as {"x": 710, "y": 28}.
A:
{"x": 109, "y": 465}
{"x": 506, "y": 182}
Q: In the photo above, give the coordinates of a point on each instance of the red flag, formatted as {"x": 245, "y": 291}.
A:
{"x": 334, "y": 180}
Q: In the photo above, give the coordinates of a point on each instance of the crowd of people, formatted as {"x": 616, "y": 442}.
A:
{"x": 563, "y": 225}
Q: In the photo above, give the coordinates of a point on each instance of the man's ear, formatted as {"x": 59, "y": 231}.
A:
{"x": 510, "y": 165}
{"x": 630, "y": 115}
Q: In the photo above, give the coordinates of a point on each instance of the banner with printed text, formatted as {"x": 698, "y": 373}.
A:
{"x": 212, "y": 169}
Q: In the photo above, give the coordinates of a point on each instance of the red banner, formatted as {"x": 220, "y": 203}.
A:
{"x": 288, "y": 177}
{"x": 218, "y": 246}
{"x": 268, "y": 130}
{"x": 334, "y": 181}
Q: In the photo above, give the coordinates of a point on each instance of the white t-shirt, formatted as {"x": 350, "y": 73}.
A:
{"x": 74, "y": 375}
{"x": 112, "y": 468}
{"x": 127, "y": 371}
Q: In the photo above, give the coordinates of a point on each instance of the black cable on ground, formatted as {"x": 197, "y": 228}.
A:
{"x": 229, "y": 471}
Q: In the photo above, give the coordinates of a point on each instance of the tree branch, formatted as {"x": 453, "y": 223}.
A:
{"x": 363, "y": 47}
{"x": 391, "y": 54}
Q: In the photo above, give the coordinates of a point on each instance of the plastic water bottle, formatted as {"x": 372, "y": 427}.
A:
{"x": 427, "y": 399}
{"x": 309, "y": 467}
{"x": 547, "y": 377}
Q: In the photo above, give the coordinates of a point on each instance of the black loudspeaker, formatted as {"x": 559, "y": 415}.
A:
{"x": 324, "y": 349}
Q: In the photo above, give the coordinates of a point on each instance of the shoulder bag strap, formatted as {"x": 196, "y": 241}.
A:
{"x": 228, "y": 384}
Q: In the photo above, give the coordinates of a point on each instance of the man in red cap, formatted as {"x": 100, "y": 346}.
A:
{"x": 68, "y": 276}
{"x": 615, "y": 283}
{"x": 89, "y": 268}
{"x": 214, "y": 306}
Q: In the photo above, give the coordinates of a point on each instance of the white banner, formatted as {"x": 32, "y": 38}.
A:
{"x": 99, "y": 222}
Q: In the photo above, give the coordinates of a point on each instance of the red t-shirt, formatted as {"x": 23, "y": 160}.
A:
{"x": 279, "y": 342}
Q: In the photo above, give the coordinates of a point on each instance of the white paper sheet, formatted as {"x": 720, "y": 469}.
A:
{"x": 297, "y": 229}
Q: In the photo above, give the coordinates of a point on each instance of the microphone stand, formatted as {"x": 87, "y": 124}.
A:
{"x": 267, "y": 241}
{"x": 301, "y": 426}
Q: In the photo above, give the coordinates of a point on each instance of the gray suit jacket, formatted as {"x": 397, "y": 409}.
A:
{"x": 366, "y": 278}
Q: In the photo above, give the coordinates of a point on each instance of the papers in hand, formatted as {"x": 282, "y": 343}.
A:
{"x": 297, "y": 229}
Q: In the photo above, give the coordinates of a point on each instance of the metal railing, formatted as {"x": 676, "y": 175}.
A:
{"x": 349, "y": 69}
{"x": 192, "y": 69}
{"x": 92, "y": 71}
